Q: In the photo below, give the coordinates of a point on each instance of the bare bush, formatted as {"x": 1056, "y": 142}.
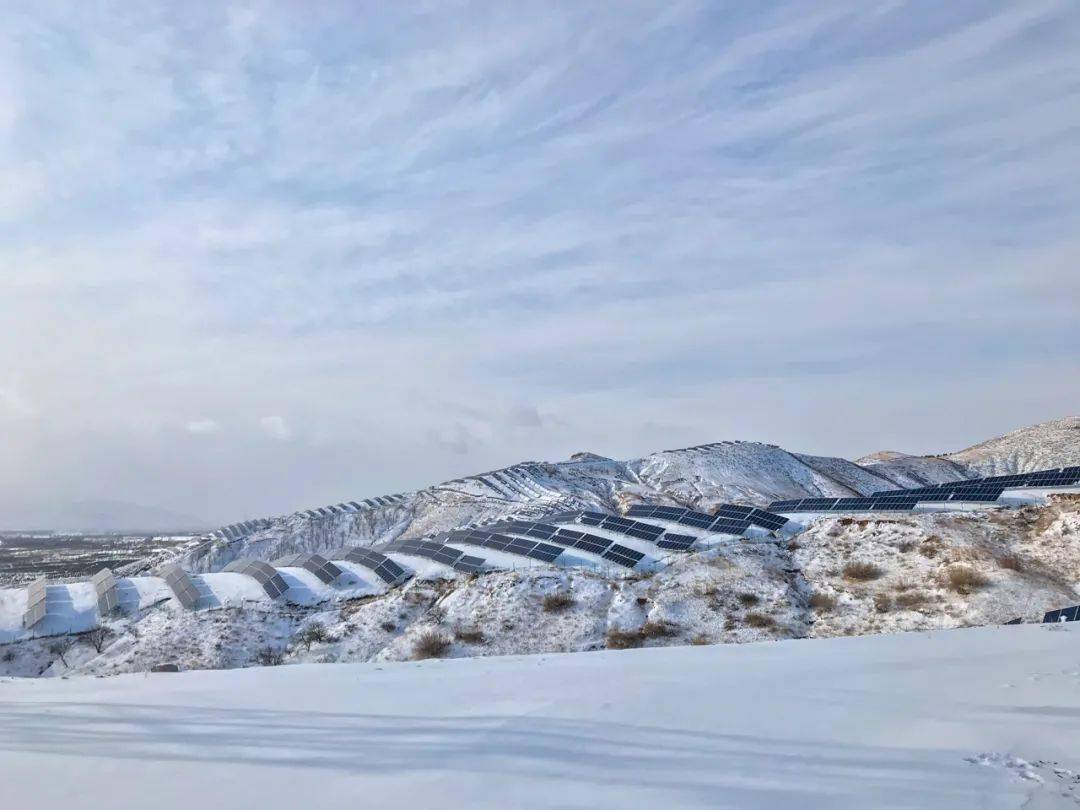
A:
{"x": 964, "y": 580}
{"x": 430, "y": 644}
{"x": 909, "y": 600}
{"x": 558, "y": 602}
{"x": 700, "y": 640}
{"x": 60, "y": 648}
{"x": 749, "y": 599}
{"x": 269, "y": 657}
{"x": 658, "y": 630}
{"x": 759, "y": 620}
{"x": 388, "y": 626}
{"x": 1010, "y": 562}
{"x": 623, "y": 639}
{"x": 862, "y": 571}
{"x": 469, "y": 635}
{"x": 822, "y": 601}
{"x": 98, "y": 638}
{"x": 313, "y": 634}
{"x": 883, "y": 603}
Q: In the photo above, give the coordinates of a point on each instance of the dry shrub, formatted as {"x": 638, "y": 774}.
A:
{"x": 906, "y": 546}
{"x": 964, "y": 579}
{"x": 705, "y": 589}
{"x": 793, "y": 546}
{"x": 862, "y": 571}
{"x": 469, "y": 635}
{"x": 822, "y": 601}
{"x": 557, "y": 602}
{"x": 658, "y": 630}
{"x": 388, "y": 626}
{"x": 430, "y": 644}
{"x": 1011, "y": 562}
{"x": 700, "y": 640}
{"x": 909, "y": 600}
{"x": 931, "y": 546}
{"x": 623, "y": 639}
{"x": 749, "y": 599}
{"x": 761, "y": 620}
{"x": 883, "y": 603}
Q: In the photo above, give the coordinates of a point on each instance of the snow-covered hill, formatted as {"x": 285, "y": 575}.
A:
{"x": 963, "y": 719}
{"x": 698, "y": 477}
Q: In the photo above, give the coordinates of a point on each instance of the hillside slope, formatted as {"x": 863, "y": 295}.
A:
{"x": 697, "y": 477}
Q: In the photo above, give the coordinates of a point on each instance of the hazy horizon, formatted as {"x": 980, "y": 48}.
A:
{"x": 261, "y": 258}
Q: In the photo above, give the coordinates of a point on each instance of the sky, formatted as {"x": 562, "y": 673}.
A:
{"x": 260, "y": 257}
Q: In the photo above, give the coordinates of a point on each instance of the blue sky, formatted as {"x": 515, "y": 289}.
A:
{"x": 255, "y": 257}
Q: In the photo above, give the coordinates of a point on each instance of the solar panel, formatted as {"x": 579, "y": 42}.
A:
{"x": 593, "y": 544}
{"x": 321, "y": 567}
{"x": 261, "y": 572}
{"x": 676, "y": 542}
{"x": 37, "y": 602}
{"x": 105, "y": 588}
{"x": 382, "y": 566}
{"x": 1069, "y": 614}
{"x": 182, "y": 586}
{"x": 533, "y": 549}
{"x": 458, "y": 560}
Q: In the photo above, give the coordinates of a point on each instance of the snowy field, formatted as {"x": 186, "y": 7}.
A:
{"x": 982, "y": 718}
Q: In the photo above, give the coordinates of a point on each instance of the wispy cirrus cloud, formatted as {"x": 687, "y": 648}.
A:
{"x": 434, "y": 239}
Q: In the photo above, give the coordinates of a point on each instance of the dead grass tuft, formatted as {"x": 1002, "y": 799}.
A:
{"x": 822, "y": 601}
{"x": 430, "y": 644}
{"x": 862, "y": 571}
{"x": 749, "y": 599}
{"x": 759, "y": 620}
{"x": 1010, "y": 562}
{"x": 469, "y": 635}
{"x": 964, "y": 579}
{"x": 558, "y": 602}
{"x": 623, "y": 639}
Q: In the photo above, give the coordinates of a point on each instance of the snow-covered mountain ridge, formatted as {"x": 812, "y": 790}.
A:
{"x": 700, "y": 477}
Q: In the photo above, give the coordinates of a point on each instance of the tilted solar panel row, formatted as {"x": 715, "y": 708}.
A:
{"x": 321, "y": 567}
{"x": 676, "y": 542}
{"x": 601, "y": 546}
{"x": 1069, "y": 614}
{"x": 261, "y": 572}
{"x": 182, "y": 585}
{"x": 688, "y": 517}
{"x": 631, "y": 528}
{"x": 458, "y": 560}
{"x": 533, "y": 549}
{"x": 382, "y": 566}
{"x": 107, "y": 593}
{"x": 1065, "y": 476}
{"x": 37, "y": 602}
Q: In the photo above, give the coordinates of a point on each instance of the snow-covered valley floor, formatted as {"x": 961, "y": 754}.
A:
{"x": 975, "y": 718}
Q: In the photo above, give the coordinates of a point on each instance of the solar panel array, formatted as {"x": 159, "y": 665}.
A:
{"x": 609, "y": 550}
{"x": 518, "y": 546}
{"x": 105, "y": 588}
{"x": 382, "y": 566}
{"x": 1069, "y": 614}
{"x": 721, "y": 524}
{"x": 261, "y": 572}
{"x": 37, "y": 602}
{"x": 319, "y": 566}
{"x": 458, "y": 560}
{"x": 637, "y": 529}
{"x": 182, "y": 585}
{"x": 977, "y": 490}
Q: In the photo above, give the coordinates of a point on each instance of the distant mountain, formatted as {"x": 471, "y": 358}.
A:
{"x": 99, "y": 516}
{"x": 699, "y": 477}
{"x": 1040, "y": 447}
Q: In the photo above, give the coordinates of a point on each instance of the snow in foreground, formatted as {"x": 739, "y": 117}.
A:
{"x": 953, "y": 719}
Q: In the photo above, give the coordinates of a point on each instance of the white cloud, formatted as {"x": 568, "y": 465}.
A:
{"x": 202, "y": 427}
{"x": 276, "y": 427}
